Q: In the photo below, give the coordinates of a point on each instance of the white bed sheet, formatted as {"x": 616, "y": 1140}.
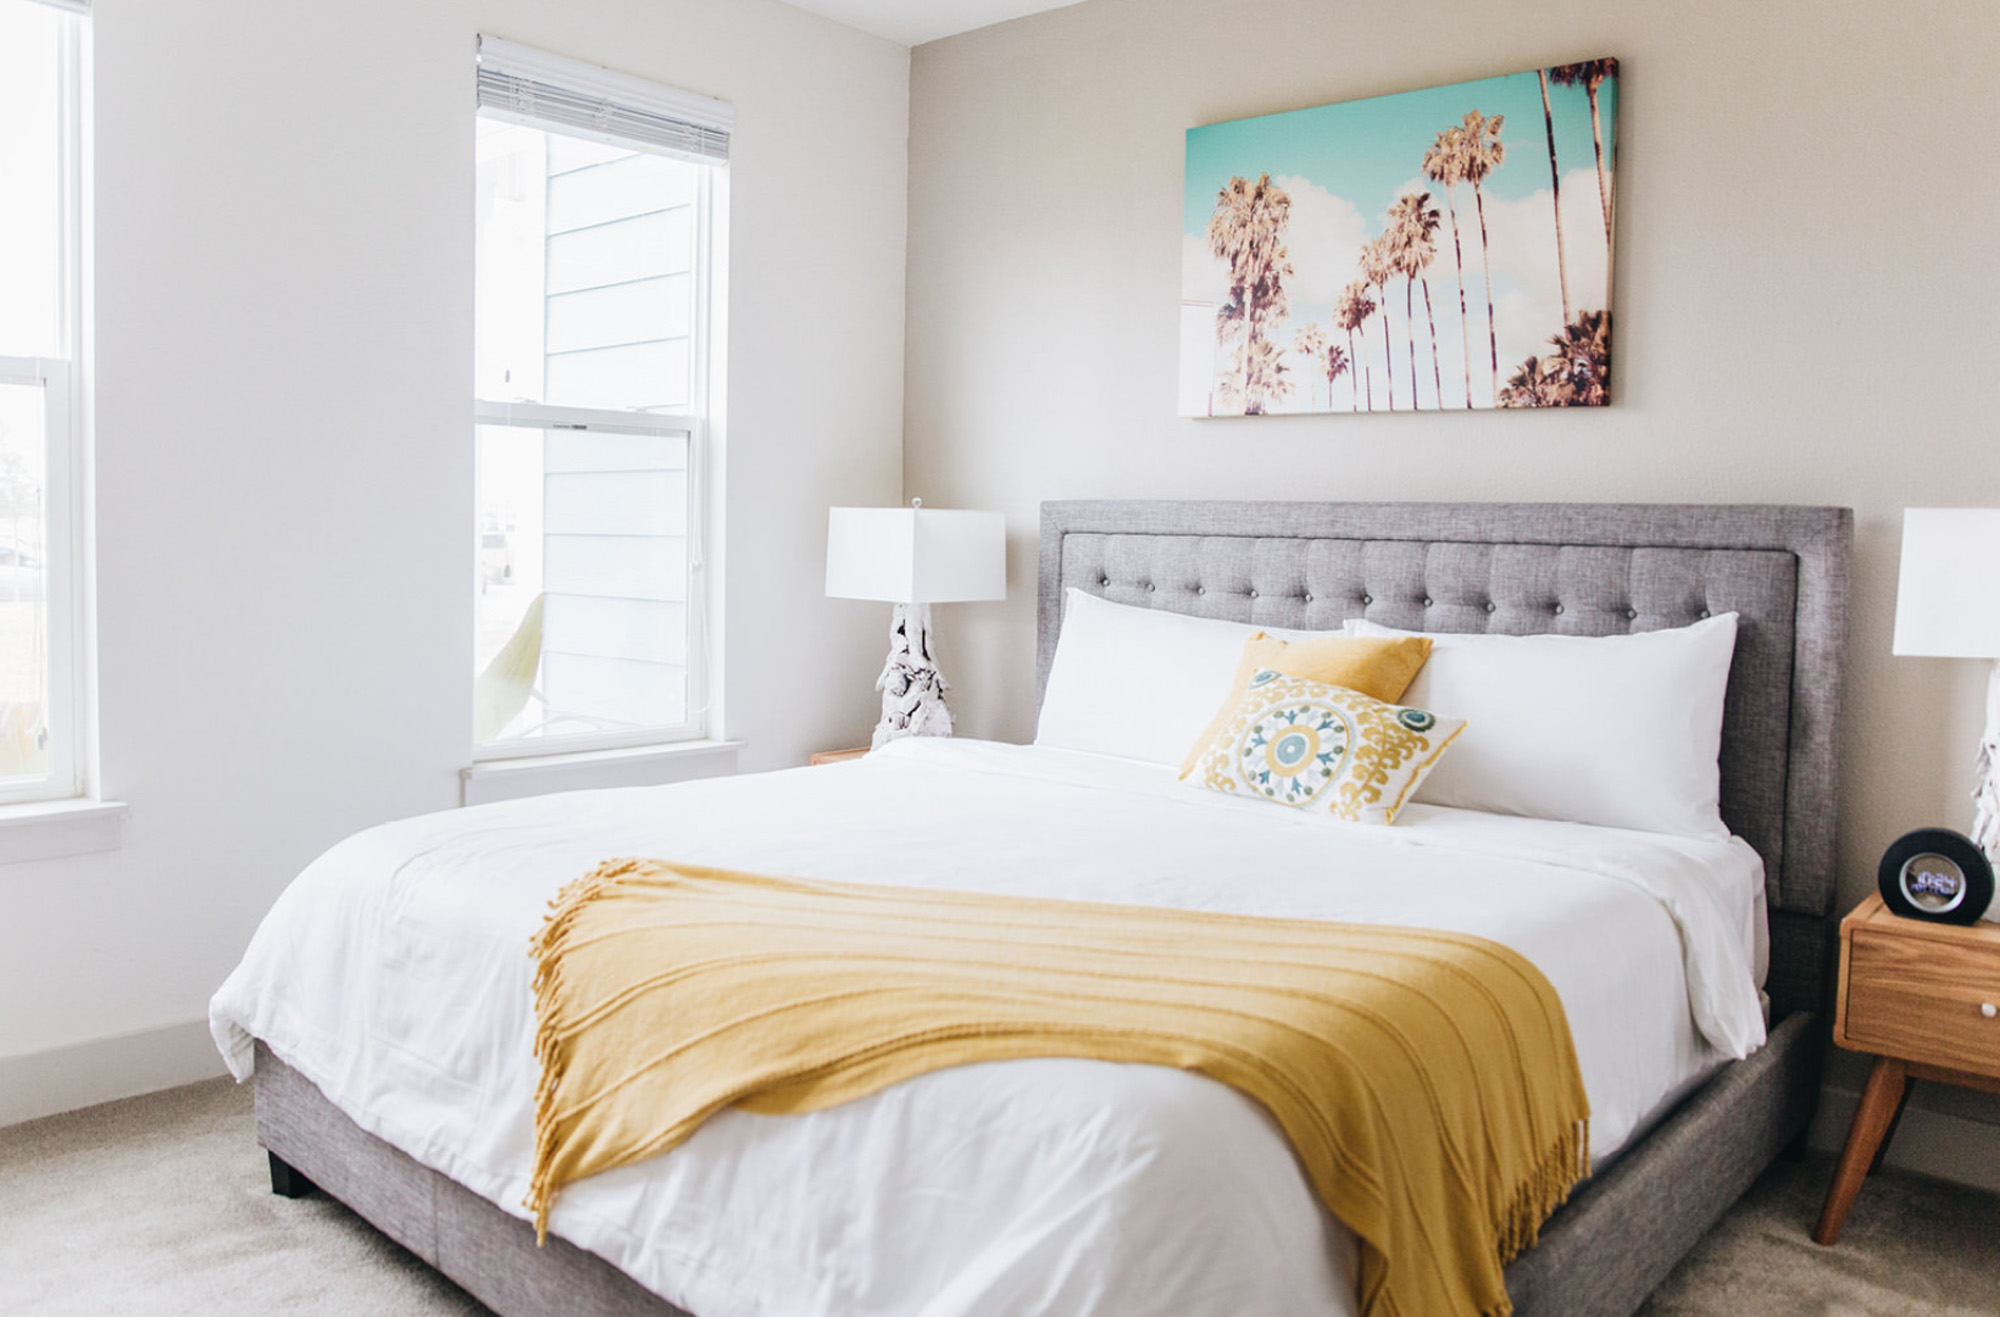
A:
{"x": 394, "y": 974}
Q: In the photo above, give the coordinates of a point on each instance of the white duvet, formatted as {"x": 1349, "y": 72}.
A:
{"x": 394, "y": 974}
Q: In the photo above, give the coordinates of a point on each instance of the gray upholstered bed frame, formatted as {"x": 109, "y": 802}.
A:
{"x": 1516, "y": 568}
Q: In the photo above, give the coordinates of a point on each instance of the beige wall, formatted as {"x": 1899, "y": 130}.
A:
{"x": 1808, "y": 298}
{"x": 284, "y": 454}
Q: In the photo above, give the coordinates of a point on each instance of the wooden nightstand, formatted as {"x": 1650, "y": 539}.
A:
{"x": 836, "y": 756}
{"x": 1925, "y": 999}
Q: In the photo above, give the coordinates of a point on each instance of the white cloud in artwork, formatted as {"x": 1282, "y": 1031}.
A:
{"x": 1524, "y": 249}
{"x": 1324, "y": 236}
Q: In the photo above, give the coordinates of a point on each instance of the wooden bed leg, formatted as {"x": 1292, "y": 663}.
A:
{"x": 1888, "y": 1084}
{"x": 285, "y": 1181}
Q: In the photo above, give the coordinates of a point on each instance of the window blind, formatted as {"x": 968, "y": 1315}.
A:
{"x": 530, "y": 86}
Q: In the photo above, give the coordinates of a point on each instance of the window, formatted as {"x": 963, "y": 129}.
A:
{"x": 598, "y": 283}
{"x": 41, "y": 64}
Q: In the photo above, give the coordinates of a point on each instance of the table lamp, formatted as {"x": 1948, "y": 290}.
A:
{"x": 914, "y": 557}
{"x": 1948, "y": 606}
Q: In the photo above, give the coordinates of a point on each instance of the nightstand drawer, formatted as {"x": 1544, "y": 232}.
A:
{"x": 1921, "y": 1000}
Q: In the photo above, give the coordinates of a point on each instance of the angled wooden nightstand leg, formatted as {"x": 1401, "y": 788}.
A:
{"x": 1881, "y": 1101}
{"x": 1895, "y": 1122}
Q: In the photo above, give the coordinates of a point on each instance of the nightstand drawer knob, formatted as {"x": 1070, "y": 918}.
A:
{"x": 1988, "y": 1009}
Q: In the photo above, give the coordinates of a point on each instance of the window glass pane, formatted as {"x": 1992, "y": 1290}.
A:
{"x": 30, "y": 179}
{"x": 585, "y": 286}
{"x": 24, "y": 621}
{"x": 594, "y": 527}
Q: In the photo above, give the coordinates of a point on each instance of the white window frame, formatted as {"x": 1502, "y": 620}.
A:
{"x": 64, "y": 409}
{"x": 698, "y": 425}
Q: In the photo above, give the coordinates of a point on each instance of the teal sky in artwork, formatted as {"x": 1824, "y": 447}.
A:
{"x": 1367, "y": 150}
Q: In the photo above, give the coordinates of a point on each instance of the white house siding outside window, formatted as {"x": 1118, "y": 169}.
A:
{"x": 41, "y": 396}
{"x": 598, "y": 281}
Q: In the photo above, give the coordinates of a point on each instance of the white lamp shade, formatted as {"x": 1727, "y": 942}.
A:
{"x": 1948, "y": 592}
{"x": 916, "y": 555}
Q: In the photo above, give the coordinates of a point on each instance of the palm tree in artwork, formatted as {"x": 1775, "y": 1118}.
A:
{"x": 1591, "y": 74}
{"x": 1352, "y": 314}
{"x": 1537, "y": 383}
{"x": 1378, "y": 267}
{"x": 1246, "y": 233}
{"x": 1483, "y": 152}
{"x": 1309, "y": 342}
{"x": 1336, "y": 366}
{"x": 1583, "y": 357}
{"x": 1442, "y": 164}
{"x": 1414, "y": 221}
{"x": 1576, "y": 374}
{"x": 1556, "y": 190}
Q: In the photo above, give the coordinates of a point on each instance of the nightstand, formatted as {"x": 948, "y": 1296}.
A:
{"x": 1925, "y": 999}
{"x": 836, "y": 756}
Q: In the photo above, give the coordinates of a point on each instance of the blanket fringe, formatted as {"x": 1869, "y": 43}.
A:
{"x": 1547, "y": 1187}
{"x": 547, "y": 948}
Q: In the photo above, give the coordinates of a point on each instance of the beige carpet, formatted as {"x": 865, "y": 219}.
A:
{"x": 161, "y": 1206}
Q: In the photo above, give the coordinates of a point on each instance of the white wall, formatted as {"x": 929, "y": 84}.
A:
{"x": 1806, "y": 285}
{"x": 284, "y": 454}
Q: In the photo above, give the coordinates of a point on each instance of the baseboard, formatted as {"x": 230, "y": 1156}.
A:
{"x": 1929, "y": 1142}
{"x": 45, "y": 1083}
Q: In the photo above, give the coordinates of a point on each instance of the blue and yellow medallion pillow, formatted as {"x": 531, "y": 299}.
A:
{"x": 1309, "y": 745}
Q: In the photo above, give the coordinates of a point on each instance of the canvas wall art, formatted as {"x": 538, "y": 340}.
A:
{"x": 1436, "y": 250}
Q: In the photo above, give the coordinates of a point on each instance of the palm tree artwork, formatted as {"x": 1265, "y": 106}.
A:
{"x": 1480, "y": 153}
{"x": 1336, "y": 366}
{"x": 1378, "y": 267}
{"x": 1352, "y": 315}
{"x": 1441, "y": 165}
{"x": 1247, "y": 233}
{"x": 1413, "y": 226}
{"x": 1299, "y": 226}
{"x": 1308, "y": 343}
{"x": 1555, "y": 191}
{"x": 1591, "y": 75}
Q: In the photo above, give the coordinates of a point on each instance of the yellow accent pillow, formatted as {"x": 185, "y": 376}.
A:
{"x": 1378, "y": 666}
{"x": 1311, "y": 745}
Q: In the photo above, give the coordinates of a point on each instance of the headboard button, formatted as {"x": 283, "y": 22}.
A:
{"x": 1253, "y": 594}
{"x": 1631, "y": 614}
{"x": 1704, "y": 612}
{"x": 1201, "y": 589}
{"x": 1559, "y": 608}
{"x": 1491, "y": 606}
{"x": 1367, "y": 599}
{"x": 1427, "y": 601}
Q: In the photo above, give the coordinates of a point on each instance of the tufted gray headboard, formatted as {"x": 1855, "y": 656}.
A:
{"x": 1526, "y": 568}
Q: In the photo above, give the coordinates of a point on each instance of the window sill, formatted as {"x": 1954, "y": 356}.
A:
{"x": 51, "y": 829}
{"x": 635, "y": 766}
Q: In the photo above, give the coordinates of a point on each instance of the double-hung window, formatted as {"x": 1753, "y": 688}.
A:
{"x": 41, "y": 397}
{"x": 599, "y": 287}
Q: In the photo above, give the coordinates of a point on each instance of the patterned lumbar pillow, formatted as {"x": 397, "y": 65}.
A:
{"x": 1314, "y": 746}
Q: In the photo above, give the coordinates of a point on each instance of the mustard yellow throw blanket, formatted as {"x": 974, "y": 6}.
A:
{"x": 1426, "y": 1080}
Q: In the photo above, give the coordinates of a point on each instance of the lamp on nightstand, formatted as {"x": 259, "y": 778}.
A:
{"x": 914, "y": 557}
{"x": 1948, "y": 606}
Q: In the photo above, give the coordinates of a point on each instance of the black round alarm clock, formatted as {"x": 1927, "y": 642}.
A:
{"x": 1936, "y": 874}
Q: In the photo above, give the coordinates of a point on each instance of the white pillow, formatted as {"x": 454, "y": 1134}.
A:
{"x": 1622, "y": 731}
{"x": 1137, "y": 682}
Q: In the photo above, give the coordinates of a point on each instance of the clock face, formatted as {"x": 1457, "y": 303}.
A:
{"x": 1932, "y": 883}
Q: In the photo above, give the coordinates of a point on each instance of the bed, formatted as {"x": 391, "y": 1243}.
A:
{"x": 1683, "y": 1145}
